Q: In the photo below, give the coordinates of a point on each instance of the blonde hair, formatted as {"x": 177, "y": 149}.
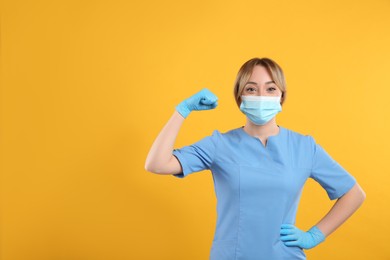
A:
{"x": 245, "y": 72}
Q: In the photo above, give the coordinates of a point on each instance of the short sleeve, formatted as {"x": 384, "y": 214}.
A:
{"x": 329, "y": 173}
{"x": 198, "y": 156}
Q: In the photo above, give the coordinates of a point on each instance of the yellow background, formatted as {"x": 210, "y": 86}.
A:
{"x": 86, "y": 86}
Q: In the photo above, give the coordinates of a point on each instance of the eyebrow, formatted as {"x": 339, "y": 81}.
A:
{"x": 251, "y": 82}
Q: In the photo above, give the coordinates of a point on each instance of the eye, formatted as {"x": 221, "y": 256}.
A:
{"x": 272, "y": 88}
{"x": 249, "y": 89}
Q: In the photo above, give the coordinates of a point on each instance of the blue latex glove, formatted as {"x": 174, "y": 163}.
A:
{"x": 203, "y": 100}
{"x": 293, "y": 236}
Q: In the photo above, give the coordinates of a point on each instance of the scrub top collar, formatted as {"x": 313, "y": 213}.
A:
{"x": 271, "y": 138}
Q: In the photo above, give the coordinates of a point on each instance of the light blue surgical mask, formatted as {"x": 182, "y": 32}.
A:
{"x": 260, "y": 109}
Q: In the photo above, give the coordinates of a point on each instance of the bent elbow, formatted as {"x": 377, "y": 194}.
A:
{"x": 363, "y": 195}
{"x": 153, "y": 169}
{"x": 150, "y": 165}
{"x": 149, "y": 168}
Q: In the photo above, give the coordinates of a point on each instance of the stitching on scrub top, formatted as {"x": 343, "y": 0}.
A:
{"x": 216, "y": 147}
{"x": 239, "y": 211}
{"x": 314, "y": 154}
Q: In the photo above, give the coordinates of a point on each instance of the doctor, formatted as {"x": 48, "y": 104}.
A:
{"x": 259, "y": 171}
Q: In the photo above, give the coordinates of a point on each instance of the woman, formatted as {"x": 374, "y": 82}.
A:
{"x": 259, "y": 171}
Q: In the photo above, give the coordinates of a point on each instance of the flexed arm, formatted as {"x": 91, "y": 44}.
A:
{"x": 160, "y": 159}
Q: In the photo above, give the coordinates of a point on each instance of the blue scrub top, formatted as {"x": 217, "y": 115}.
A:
{"x": 258, "y": 187}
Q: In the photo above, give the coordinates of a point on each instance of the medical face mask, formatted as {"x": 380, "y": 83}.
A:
{"x": 260, "y": 109}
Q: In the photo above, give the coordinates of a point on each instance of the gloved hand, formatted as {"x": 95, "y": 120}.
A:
{"x": 203, "y": 100}
{"x": 296, "y": 237}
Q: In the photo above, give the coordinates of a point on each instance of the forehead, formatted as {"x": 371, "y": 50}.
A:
{"x": 260, "y": 73}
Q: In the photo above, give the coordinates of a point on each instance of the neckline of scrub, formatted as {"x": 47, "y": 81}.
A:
{"x": 271, "y": 137}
